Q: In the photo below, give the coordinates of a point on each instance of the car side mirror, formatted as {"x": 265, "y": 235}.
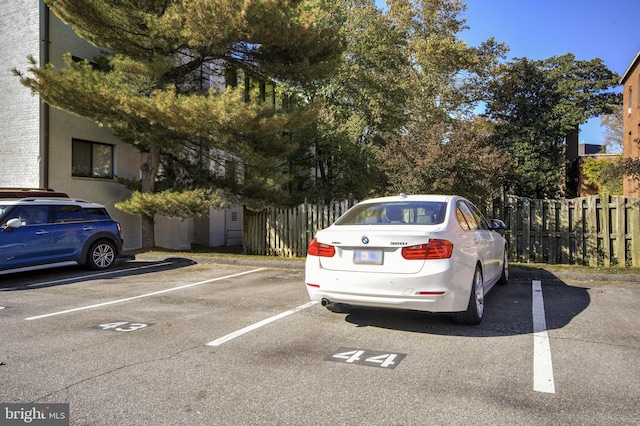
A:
{"x": 497, "y": 225}
{"x": 12, "y": 224}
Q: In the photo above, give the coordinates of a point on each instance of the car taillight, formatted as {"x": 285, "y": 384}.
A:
{"x": 434, "y": 249}
{"x": 320, "y": 249}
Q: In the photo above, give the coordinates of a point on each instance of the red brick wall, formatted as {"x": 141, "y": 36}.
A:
{"x": 631, "y": 126}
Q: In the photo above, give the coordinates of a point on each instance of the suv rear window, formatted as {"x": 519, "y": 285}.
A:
{"x": 97, "y": 214}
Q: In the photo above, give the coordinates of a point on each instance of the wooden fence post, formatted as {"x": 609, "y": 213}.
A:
{"x": 618, "y": 230}
{"x": 633, "y": 221}
{"x": 537, "y": 226}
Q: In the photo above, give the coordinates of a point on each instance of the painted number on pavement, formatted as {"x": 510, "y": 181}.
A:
{"x": 123, "y": 326}
{"x": 380, "y": 359}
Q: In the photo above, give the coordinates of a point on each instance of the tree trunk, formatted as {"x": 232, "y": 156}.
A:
{"x": 149, "y": 172}
{"x": 148, "y": 231}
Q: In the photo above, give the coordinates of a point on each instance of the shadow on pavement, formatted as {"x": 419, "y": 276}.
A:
{"x": 76, "y": 274}
{"x": 508, "y": 310}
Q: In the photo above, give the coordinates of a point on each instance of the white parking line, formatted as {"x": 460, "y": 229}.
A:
{"x": 252, "y": 327}
{"x": 542, "y": 367}
{"x": 155, "y": 293}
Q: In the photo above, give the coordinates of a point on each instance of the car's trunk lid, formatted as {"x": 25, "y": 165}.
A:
{"x": 376, "y": 250}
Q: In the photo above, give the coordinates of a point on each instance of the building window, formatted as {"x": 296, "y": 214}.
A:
{"x": 92, "y": 159}
{"x": 630, "y": 99}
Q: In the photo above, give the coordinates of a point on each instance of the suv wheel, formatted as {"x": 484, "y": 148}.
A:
{"x": 102, "y": 255}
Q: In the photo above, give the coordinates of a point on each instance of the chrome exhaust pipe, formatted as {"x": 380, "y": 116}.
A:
{"x": 325, "y": 302}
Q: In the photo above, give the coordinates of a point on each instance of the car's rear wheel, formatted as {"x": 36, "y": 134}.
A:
{"x": 504, "y": 278}
{"x": 102, "y": 255}
{"x": 475, "y": 310}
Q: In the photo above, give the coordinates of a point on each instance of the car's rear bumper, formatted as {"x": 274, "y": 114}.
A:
{"x": 445, "y": 290}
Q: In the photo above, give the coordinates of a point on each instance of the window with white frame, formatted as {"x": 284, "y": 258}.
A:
{"x": 91, "y": 159}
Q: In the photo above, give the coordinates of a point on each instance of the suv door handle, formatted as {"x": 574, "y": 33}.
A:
{"x": 43, "y": 232}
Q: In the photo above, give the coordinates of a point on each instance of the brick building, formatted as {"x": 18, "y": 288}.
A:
{"x": 630, "y": 82}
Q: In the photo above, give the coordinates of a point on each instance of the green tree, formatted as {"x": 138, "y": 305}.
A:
{"x": 614, "y": 141}
{"x": 404, "y": 71}
{"x": 456, "y": 159}
{"x": 612, "y": 124}
{"x": 363, "y": 99}
{"x": 605, "y": 173}
{"x": 535, "y": 105}
{"x": 445, "y": 80}
{"x": 608, "y": 173}
{"x": 631, "y": 168}
{"x": 151, "y": 86}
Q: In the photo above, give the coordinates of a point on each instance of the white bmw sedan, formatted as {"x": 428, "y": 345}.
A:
{"x": 433, "y": 253}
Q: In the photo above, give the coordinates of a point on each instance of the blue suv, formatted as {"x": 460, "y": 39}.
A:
{"x": 38, "y": 233}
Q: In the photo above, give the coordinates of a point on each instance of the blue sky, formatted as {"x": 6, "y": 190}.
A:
{"x": 539, "y": 29}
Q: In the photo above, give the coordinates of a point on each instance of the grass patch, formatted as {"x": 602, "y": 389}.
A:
{"x": 574, "y": 268}
{"x": 225, "y": 252}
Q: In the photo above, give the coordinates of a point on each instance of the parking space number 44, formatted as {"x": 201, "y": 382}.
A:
{"x": 356, "y": 356}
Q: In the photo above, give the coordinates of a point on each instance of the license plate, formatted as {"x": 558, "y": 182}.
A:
{"x": 368, "y": 257}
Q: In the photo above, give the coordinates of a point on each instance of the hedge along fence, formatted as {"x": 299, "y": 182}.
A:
{"x": 597, "y": 231}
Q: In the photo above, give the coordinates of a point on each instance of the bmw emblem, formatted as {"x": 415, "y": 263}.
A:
{"x": 365, "y": 240}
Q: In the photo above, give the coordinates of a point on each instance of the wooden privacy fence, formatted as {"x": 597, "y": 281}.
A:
{"x": 287, "y": 232}
{"x": 602, "y": 230}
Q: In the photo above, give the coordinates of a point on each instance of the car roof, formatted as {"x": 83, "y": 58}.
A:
{"x": 416, "y": 197}
{"x": 13, "y": 193}
{"x": 39, "y": 201}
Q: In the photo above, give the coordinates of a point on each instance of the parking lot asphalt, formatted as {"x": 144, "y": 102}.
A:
{"x": 220, "y": 341}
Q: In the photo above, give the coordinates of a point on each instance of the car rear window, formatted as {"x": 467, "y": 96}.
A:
{"x": 408, "y": 213}
{"x": 97, "y": 214}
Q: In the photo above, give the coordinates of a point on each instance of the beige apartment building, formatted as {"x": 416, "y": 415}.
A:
{"x": 44, "y": 147}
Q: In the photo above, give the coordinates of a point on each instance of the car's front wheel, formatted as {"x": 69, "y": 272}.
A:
{"x": 475, "y": 310}
{"x": 102, "y": 255}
